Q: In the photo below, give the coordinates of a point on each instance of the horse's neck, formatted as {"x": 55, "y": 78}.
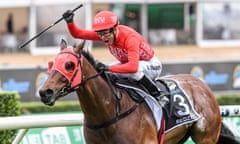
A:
{"x": 96, "y": 98}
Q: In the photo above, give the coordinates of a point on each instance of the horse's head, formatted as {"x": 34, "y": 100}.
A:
{"x": 64, "y": 74}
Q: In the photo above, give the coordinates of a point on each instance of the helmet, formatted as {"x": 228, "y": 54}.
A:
{"x": 104, "y": 20}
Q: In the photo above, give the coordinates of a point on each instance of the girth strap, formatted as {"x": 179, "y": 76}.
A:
{"x": 112, "y": 121}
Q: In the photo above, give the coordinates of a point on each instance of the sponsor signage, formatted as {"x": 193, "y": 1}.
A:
{"x": 54, "y": 135}
{"x": 26, "y": 82}
{"x": 74, "y": 134}
{"x": 219, "y": 76}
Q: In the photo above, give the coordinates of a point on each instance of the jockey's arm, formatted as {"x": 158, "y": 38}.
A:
{"x": 78, "y": 32}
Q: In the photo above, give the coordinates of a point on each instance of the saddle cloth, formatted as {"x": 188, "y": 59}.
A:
{"x": 179, "y": 111}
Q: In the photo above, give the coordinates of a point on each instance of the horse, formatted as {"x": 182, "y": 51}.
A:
{"x": 113, "y": 116}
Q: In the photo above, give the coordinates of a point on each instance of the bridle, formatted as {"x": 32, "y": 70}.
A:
{"x": 68, "y": 89}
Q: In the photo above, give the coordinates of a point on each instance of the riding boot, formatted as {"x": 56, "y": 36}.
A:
{"x": 150, "y": 86}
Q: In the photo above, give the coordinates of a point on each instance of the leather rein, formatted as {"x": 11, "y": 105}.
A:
{"x": 68, "y": 89}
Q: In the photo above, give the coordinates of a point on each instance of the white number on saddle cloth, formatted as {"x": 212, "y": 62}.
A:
{"x": 180, "y": 101}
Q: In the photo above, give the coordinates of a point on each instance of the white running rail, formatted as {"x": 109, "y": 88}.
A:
{"x": 56, "y": 120}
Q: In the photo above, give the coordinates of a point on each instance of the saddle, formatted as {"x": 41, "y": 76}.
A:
{"x": 179, "y": 109}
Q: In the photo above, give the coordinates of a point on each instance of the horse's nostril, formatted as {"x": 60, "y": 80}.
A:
{"x": 46, "y": 92}
{"x": 49, "y": 92}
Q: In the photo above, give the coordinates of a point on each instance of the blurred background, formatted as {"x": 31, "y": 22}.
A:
{"x": 198, "y": 37}
{"x": 177, "y": 22}
{"x": 187, "y": 35}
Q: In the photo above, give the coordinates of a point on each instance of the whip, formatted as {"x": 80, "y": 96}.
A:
{"x": 44, "y": 30}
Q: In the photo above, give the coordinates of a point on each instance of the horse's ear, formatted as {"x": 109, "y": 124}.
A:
{"x": 74, "y": 45}
{"x": 79, "y": 48}
{"x": 63, "y": 44}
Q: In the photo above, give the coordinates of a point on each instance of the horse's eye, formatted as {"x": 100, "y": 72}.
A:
{"x": 69, "y": 66}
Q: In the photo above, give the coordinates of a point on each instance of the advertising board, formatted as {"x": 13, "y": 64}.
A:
{"x": 219, "y": 76}
{"x": 74, "y": 134}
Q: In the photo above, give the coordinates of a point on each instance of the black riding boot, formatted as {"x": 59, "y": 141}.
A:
{"x": 151, "y": 86}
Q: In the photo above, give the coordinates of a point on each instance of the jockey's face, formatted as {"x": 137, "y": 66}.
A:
{"x": 107, "y": 36}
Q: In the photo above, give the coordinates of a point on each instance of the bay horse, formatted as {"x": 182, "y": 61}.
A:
{"x": 111, "y": 116}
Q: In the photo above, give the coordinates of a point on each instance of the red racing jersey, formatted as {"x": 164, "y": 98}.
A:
{"x": 129, "y": 47}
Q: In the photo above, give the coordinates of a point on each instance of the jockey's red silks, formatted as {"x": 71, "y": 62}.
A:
{"x": 67, "y": 55}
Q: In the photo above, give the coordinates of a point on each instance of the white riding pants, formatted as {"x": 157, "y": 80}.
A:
{"x": 151, "y": 69}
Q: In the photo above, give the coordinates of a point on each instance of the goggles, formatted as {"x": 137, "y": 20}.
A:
{"x": 104, "y": 33}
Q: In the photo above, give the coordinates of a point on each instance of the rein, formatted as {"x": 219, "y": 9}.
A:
{"x": 119, "y": 115}
{"x": 68, "y": 89}
{"x": 83, "y": 82}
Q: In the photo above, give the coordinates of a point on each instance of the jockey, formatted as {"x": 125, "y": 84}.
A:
{"x": 136, "y": 58}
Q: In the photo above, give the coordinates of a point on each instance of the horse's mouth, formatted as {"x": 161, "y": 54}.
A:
{"x": 48, "y": 101}
{"x": 48, "y": 97}
{"x": 53, "y": 97}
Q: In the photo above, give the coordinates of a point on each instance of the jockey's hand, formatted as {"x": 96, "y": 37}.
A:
{"x": 68, "y": 16}
{"x": 102, "y": 67}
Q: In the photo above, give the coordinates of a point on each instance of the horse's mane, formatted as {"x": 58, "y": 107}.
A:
{"x": 89, "y": 58}
{"x": 92, "y": 61}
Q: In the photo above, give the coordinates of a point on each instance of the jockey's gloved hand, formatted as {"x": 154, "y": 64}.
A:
{"x": 102, "y": 67}
{"x": 68, "y": 16}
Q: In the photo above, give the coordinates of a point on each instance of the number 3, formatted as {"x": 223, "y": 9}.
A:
{"x": 181, "y": 103}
